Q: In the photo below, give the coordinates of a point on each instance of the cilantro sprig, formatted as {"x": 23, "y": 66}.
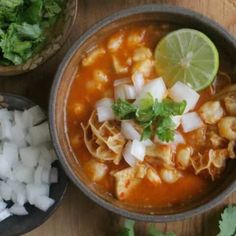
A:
{"x": 227, "y": 224}
{"x": 153, "y": 116}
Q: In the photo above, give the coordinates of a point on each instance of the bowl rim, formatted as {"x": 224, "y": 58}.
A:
{"x": 148, "y": 8}
{"x": 56, "y": 205}
{"x": 16, "y": 69}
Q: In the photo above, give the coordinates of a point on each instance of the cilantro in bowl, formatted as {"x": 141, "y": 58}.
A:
{"x": 22, "y": 27}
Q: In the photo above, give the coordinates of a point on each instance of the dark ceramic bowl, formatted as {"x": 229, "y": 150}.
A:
{"x": 156, "y": 13}
{"x": 56, "y": 36}
{"x": 18, "y": 225}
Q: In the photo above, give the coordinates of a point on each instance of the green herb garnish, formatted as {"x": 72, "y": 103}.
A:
{"x": 128, "y": 229}
{"x": 22, "y": 27}
{"x": 153, "y": 116}
{"x": 227, "y": 224}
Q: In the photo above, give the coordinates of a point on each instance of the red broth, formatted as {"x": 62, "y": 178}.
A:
{"x": 85, "y": 92}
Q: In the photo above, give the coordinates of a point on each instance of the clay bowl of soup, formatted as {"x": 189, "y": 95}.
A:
{"x": 120, "y": 163}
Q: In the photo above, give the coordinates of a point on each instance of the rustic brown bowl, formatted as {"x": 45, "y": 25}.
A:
{"x": 56, "y": 36}
{"x": 61, "y": 88}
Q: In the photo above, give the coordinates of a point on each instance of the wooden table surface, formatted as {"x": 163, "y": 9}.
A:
{"x": 77, "y": 215}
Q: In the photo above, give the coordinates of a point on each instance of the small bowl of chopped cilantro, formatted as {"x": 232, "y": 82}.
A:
{"x": 31, "y": 31}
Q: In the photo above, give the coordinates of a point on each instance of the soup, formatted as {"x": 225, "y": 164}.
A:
{"x": 139, "y": 138}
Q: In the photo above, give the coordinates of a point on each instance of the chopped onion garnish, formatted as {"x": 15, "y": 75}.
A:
{"x": 104, "y": 110}
{"x": 4, "y": 214}
{"x": 176, "y": 120}
{"x": 181, "y": 91}
{"x": 156, "y": 88}
{"x": 191, "y": 121}
{"x": 43, "y": 202}
{"x": 130, "y": 92}
{"x": 105, "y": 113}
{"x": 128, "y": 130}
{"x": 138, "y": 150}
{"x": 129, "y": 158}
{"x": 26, "y": 156}
{"x": 138, "y": 81}
{"x": 18, "y": 210}
{"x": 119, "y": 92}
{"x": 121, "y": 81}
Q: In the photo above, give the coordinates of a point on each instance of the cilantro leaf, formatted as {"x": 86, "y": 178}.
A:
{"x": 123, "y": 109}
{"x": 169, "y": 108}
{"x": 128, "y": 229}
{"x": 227, "y": 224}
{"x": 165, "y": 129}
{"x": 153, "y": 231}
{"x": 147, "y": 132}
{"x": 20, "y": 41}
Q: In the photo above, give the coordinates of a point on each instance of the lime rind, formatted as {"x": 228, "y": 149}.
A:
{"x": 178, "y": 45}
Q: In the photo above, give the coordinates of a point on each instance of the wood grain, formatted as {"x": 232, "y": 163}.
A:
{"x": 77, "y": 215}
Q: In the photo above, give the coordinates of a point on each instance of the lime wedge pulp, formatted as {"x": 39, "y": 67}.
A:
{"x": 188, "y": 56}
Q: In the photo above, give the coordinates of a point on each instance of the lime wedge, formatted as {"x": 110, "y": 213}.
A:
{"x": 188, "y": 56}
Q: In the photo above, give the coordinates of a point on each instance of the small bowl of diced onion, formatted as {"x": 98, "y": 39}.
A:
{"x": 32, "y": 184}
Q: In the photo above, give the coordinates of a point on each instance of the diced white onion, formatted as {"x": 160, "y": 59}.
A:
{"x": 121, "y": 81}
{"x": 130, "y": 92}
{"x": 176, "y": 120}
{"x": 3, "y": 205}
{"x": 4, "y": 214}
{"x": 138, "y": 150}
{"x": 104, "y": 110}
{"x": 19, "y": 210}
{"x": 138, "y": 81}
{"x": 35, "y": 190}
{"x": 5, "y": 168}
{"x": 5, "y": 191}
{"x": 156, "y": 88}
{"x": 191, "y": 121}
{"x": 39, "y": 134}
{"x": 29, "y": 156}
{"x": 105, "y": 113}
{"x": 33, "y": 116}
{"x": 128, "y": 130}
{"x": 5, "y": 115}
{"x": 119, "y": 92}
{"x": 129, "y": 158}
{"x": 26, "y": 156}
{"x": 178, "y": 138}
{"x": 181, "y": 91}
{"x": 105, "y": 102}
{"x": 43, "y": 202}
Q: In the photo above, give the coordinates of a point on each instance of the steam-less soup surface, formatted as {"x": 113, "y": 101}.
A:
{"x": 140, "y": 138}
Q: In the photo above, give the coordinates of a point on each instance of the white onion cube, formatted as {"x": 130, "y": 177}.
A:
{"x": 10, "y": 153}
{"x": 5, "y": 191}
{"x": 156, "y": 88}
{"x": 129, "y": 158}
{"x": 33, "y": 116}
{"x": 138, "y": 81}
{"x": 35, "y": 190}
{"x": 105, "y": 113}
{"x": 129, "y": 131}
{"x": 43, "y": 202}
{"x": 23, "y": 173}
{"x": 138, "y": 150}
{"x": 180, "y": 91}
{"x": 39, "y": 134}
{"x": 191, "y": 121}
{"x": 5, "y": 168}
{"x": 3, "y": 205}
{"x": 4, "y": 214}
{"x": 18, "y": 136}
{"x": 29, "y": 156}
{"x": 18, "y": 210}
